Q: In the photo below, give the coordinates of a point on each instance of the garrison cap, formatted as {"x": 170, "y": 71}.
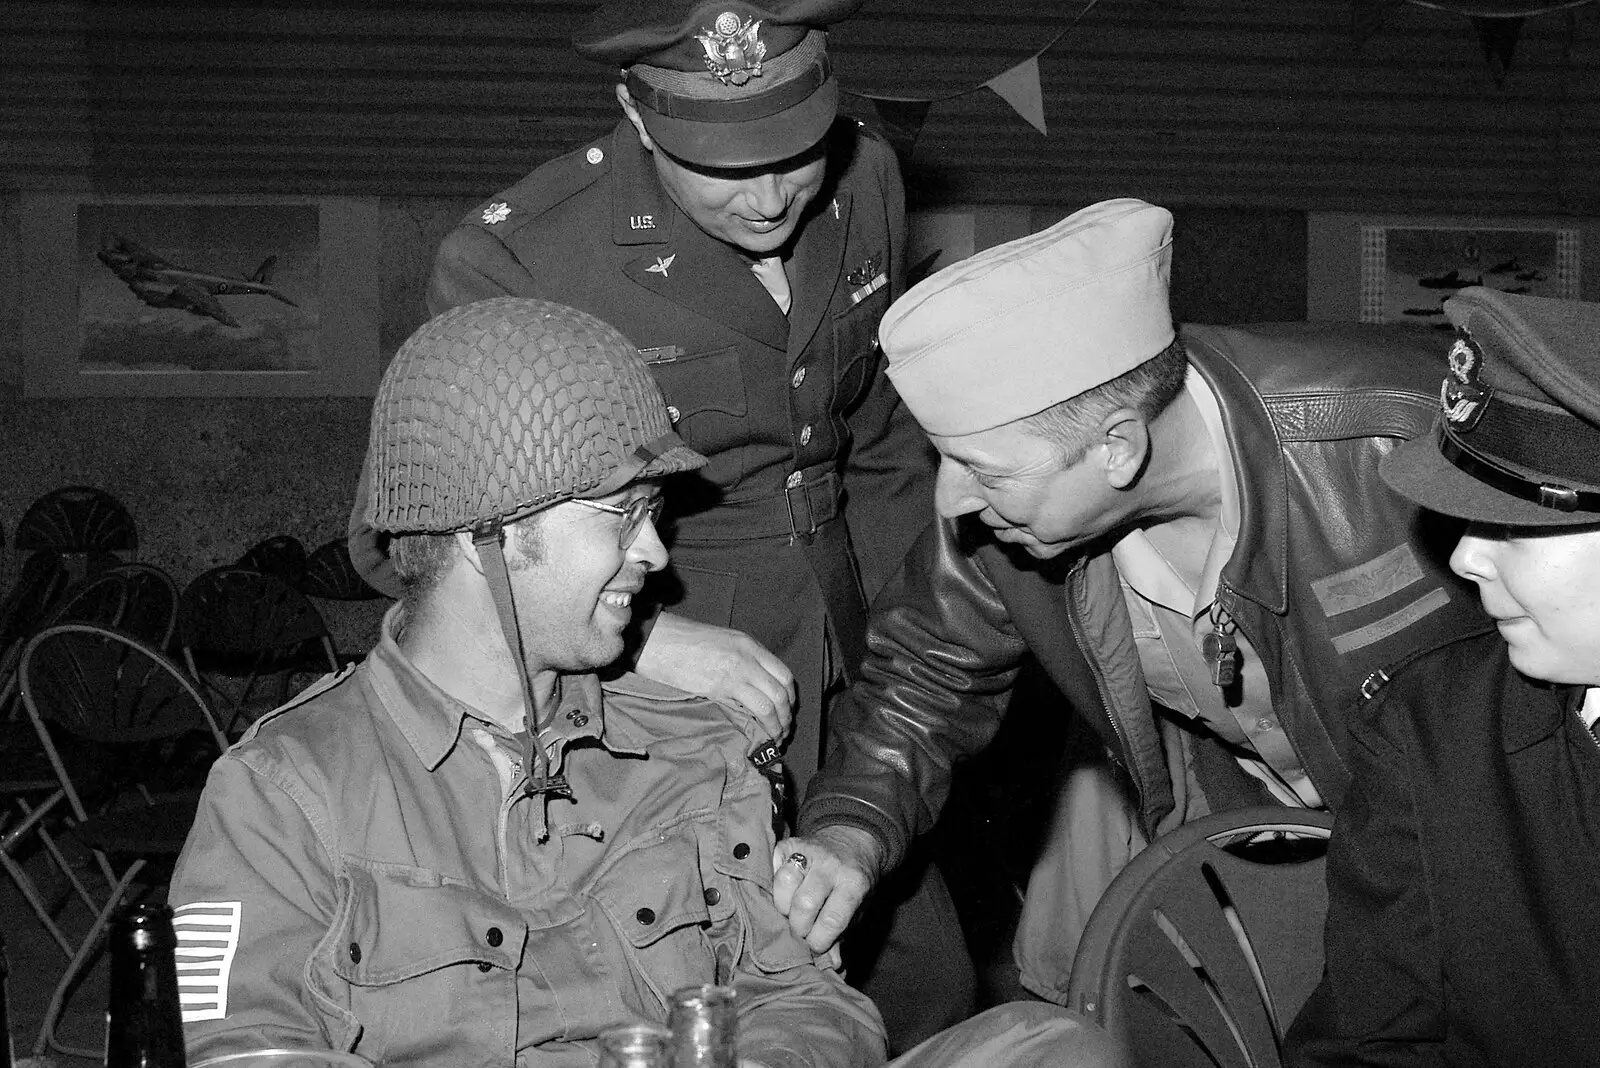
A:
{"x": 723, "y": 83}
{"x": 496, "y": 409}
{"x": 1517, "y": 441}
{"x": 1025, "y": 325}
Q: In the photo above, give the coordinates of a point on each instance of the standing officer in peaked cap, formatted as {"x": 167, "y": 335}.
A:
{"x": 1464, "y": 865}
{"x": 747, "y": 240}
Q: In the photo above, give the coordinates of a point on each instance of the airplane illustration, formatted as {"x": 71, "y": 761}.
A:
{"x": 163, "y": 285}
{"x": 1452, "y": 280}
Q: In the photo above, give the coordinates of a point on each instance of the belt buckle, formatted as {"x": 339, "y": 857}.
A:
{"x": 795, "y": 533}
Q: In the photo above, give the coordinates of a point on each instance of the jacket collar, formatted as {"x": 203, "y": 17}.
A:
{"x": 431, "y": 720}
{"x": 1258, "y": 568}
{"x": 1538, "y": 714}
{"x": 684, "y": 264}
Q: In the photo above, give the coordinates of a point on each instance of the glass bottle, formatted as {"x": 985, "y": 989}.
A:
{"x": 144, "y": 1024}
{"x": 705, "y": 1027}
{"x": 639, "y": 1045}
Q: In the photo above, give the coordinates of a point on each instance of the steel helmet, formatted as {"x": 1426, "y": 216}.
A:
{"x": 496, "y": 409}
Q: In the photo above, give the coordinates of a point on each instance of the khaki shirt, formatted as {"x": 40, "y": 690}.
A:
{"x": 366, "y": 874}
{"x": 1170, "y": 606}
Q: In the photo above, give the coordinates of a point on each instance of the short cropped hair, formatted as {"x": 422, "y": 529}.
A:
{"x": 422, "y": 560}
{"x": 1073, "y": 425}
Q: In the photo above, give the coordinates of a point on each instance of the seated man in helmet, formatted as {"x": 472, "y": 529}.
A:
{"x": 469, "y": 849}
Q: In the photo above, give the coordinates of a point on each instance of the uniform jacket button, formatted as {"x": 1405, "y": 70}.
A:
{"x": 355, "y": 953}
{"x": 741, "y": 851}
{"x": 713, "y": 895}
{"x": 805, "y": 434}
{"x": 484, "y": 965}
{"x": 645, "y": 916}
{"x": 799, "y": 377}
{"x": 494, "y": 937}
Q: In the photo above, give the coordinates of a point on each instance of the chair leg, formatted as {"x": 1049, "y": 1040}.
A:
{"x": 31, "y": 896}
{"x": 86, "y": 952}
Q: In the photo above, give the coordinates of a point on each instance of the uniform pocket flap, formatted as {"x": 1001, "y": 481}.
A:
{"x": 398, "y": 922}
{"x": 744, "y": 846}
{"x": 655, "y": 889}
{"x": 702, "y": 382}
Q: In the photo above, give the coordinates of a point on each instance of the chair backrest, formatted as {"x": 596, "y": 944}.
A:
{"x": 40, "y": 583}
{"x": 281, "y": 555}
{"x": 1206, "y": 945}
{"x": 107, "y": 686}
{"x": 109, "y": 690}
{"x": 100, "y": 598}
{"x": 77, "y": 519}
{"x": 151, "y": 614}
{"x": 330, "y": 574}
{"x": 236, "y": 609}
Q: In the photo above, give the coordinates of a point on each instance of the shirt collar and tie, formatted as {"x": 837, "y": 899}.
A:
{"x": 770, "y": 273}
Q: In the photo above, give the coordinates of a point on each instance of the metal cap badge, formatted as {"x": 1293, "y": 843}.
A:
{"x": 724, "y": 83}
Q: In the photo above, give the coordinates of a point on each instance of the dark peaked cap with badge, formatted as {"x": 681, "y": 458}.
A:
{"x": 723, "y": 83}
{"x": 1518, "y": 439}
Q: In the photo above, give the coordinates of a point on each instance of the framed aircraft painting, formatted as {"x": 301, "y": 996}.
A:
{"x": 1401, "y": 269}
{"x": 199, "y": 296}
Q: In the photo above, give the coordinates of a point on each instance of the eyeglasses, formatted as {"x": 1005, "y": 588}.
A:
{"x": 633, "y": 516}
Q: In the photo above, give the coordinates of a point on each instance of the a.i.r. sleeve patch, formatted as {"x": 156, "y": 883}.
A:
{"x": 208, "y": 937}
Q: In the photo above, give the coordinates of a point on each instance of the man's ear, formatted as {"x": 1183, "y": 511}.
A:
{"x": 630, "y": 109}
{"x": 1125, "y": 436}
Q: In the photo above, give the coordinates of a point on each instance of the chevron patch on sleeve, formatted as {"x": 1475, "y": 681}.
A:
{"x": 208, "y": 937}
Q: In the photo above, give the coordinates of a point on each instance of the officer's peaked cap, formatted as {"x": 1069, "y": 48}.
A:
{"x": 724, "y": 83}
{"x": 1517, "y": 439}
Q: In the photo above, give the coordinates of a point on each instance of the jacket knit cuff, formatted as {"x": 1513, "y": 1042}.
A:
{"x": 837, "y": 811}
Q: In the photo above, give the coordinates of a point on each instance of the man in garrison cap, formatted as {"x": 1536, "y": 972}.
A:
{"x": 1463, "y": 866}
{"x": 747, "y": 240}
{"x": 1185, "y": 527}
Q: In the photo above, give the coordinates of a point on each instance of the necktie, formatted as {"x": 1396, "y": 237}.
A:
{"x": 770, "y": 273}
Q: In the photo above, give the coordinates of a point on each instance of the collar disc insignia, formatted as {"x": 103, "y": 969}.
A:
{"x": 734, "y": 50}
{"x": 1461, "y": 396}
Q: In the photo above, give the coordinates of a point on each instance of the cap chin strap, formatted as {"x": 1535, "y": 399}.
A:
{"x": 488, "y": 537}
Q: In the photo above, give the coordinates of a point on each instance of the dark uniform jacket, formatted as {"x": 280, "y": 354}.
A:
{"x": 794, "y": 415}
{"x": 1463, "y": 875}
{"x": 1328, "y": 581}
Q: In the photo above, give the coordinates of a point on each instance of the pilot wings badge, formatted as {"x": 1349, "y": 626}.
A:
{"x": 1461, "y": 396}
{"x": 734, "y": 49}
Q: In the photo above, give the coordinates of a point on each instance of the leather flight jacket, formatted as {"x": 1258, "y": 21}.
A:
{"x": 1333, "y": 576}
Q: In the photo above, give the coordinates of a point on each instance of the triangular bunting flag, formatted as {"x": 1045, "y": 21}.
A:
{"x": 1366, "y": 16}
{"x": 1019, "y": 87}
{"x": 902, "y": 122}
{"x": 1499, "y": 39}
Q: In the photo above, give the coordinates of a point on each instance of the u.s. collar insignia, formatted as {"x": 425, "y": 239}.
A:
{"x": 496, "y": 213}
{"x": 863, "y": 274}
{"x": 1461, "y": 396}
{"x": 661, "y": 265}
{"x": 734, "y": 49}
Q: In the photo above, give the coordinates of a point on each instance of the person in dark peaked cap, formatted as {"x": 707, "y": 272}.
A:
{"x": 1464, "y": 863}
{"x": 748, "y": 240}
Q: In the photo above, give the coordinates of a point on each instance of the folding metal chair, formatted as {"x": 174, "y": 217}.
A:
{"x": 281, "y": 555}
{"x": 330, "y": 575}
{"x": 87, "y": 526}
{"x": 1207, "y": 944}
{"x": 115, "y": 718}
{"x": 151, "y": 611}
{"x": 238, "y": 627}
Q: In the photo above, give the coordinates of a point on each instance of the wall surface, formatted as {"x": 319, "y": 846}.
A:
{"x": 1242, "y": 115}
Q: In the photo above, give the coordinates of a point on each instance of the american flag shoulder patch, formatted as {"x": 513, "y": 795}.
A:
{"x": 208, "y": 937}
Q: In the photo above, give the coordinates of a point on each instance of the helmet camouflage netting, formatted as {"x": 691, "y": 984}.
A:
{"x": 495, "y": 409}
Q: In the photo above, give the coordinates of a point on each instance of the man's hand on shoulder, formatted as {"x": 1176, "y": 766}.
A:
{"x": 821, "y": 896}
{"x": 723, "y": 664}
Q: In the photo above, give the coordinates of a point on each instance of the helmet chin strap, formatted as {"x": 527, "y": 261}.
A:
{"x": 488, "y": 537}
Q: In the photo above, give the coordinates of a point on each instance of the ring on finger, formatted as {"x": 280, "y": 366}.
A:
{"x": 800, "y": 860}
